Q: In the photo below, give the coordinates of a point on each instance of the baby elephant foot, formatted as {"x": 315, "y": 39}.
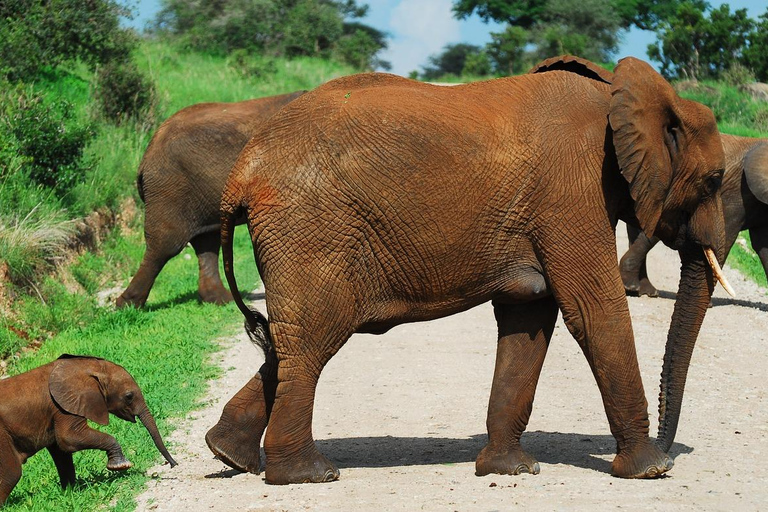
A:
{"x": 119, "y": 464}
{"x": 315, "y": 468}
{"x": 510, "y": 461}
{"x": 644, "y": 460}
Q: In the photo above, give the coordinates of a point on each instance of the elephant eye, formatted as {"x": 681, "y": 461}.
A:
{"x": 713, "y": 182}
{"x": 129, "y": 397}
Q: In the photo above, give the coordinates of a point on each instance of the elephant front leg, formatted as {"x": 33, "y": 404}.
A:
{"x": 73, "y": 434}
{"x": 759, "y": 237}
{"x": 236, "y": 438}
{"x": 210, "y": 287}
{"x": 524, "y": 334}
{"x": 633, "y": 265}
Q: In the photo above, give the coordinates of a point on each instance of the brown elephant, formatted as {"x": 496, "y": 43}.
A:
{"x": 48, "y": 407}
{"x": 180, "y": 180}
{"x": 375, "y": 200}
{"x": 745, "y": 206}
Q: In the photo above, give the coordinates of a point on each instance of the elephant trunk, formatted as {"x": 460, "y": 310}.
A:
{"x": 695, "y": 291}
{"x": 148, "y": 421}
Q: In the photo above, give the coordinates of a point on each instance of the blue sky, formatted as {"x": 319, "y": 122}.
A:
{"x": 420, "y": 28}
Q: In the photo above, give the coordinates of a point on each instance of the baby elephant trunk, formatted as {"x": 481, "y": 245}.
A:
{"x": 149, "y": 423}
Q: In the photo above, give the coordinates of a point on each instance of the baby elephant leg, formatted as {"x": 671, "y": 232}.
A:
{"x": 10, "y": 467}
{"x": 64, "y": 466}
{"x": 73, "y": 434}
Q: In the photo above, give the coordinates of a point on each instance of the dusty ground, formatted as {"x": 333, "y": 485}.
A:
{"x": 403, "y": 416}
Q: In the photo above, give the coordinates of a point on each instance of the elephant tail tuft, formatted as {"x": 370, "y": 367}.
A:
{"x": 257, "y": 328}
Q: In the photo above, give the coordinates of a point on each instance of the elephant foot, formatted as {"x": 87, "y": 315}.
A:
{"x": 644, "y": 460}
{"x": 510, "y": 461}
{"x": 127, "y": 301}
{"x": 646, "y": 288}
{"x": 119, "y": 464}
{"x": 236, "y": 451}
{"x": 315, "y": 468}
{"x": 219, "y": 296}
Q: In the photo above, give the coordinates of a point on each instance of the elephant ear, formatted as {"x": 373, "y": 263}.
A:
{"x": 76, "y": 386}
{"x": 647, "y": 136}
{"x": 756, "y": 171}
{"x": 574, "y": 64}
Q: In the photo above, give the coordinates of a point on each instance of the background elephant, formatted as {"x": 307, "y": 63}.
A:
{"x": 376, "y": 200}
{"x": 47, "y": 408}
{"x": 745, "y": 206}
{"x": 180, "y": 180}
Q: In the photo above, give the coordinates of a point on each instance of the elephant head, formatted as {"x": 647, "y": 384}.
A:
{"x": 671, "y": 155}
{"x": 92, "y": 388}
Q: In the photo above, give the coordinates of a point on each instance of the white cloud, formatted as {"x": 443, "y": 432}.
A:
{"x": 419, "y": 28}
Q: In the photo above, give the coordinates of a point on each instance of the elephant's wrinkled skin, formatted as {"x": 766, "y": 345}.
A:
{"x": 745, "y": 206}
{"x": 376, "y": 200}
{"x": 180, "y": 180}
{"x": 47, "y": 408}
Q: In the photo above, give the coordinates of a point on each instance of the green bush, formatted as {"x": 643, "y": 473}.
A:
{"x": 45, "y": 137}
{"x": 123, "y": 92}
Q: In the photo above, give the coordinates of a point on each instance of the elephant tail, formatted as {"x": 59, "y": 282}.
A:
{"x": 256, "y": 324}
{"x": 140, "y": 184}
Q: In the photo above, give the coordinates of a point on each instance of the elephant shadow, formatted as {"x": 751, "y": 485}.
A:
{"x": 593, "y": 452}
{"x": 722, "y": 301}
{"x": 193, "y": 296}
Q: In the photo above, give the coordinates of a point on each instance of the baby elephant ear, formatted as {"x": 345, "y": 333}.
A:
{"x": 756, "y": 171}
{"x": 74, "y": 385}
{"x": 647, "y": 136}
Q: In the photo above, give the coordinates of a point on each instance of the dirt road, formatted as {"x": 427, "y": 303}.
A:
{"x": 403, "y": 416}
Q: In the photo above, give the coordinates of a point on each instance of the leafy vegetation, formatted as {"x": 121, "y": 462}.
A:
{"x": 317, "y": 28}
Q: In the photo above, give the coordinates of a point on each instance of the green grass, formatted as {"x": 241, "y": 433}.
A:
{"x": 746, "y": 260}
{"x": 166, "y": 347}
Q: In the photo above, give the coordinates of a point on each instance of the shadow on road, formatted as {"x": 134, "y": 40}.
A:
{"x": 721, "y": 301}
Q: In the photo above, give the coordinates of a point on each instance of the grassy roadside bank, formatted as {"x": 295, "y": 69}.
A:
{"x": 167, "y": 347}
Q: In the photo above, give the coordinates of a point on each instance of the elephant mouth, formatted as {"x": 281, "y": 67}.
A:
{"x": 717, "y": 271}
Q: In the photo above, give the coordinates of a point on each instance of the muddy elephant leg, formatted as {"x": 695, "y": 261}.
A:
{"x": 210, "y": 287}
{"x": 292, "y": 456}
{"x": 73, "y": 434}
{"x": 524, "y": 334}
{"x": 64, "y": 466}
{"x": 10, "y": 467}
{"x": 634, "y": 271}
{"x": 236, "y": 438}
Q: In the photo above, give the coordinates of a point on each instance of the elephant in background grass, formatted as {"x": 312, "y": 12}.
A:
{"x": 180, "y": 180}
{"x": 745, "y": 206}
{"x": 375, "y": 200}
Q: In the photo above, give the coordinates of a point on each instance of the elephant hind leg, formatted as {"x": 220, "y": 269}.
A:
{"x": 303, "y": 351}
{"x": 64, "y": 466}
{"x": 10, "y": 467}
{"x": 210, "y": 287}
{"x": 236, "y": 438}
{"x": 525, "y": 331}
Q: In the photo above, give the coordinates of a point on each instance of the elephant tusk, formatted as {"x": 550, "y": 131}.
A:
{"x": 712, "y": 259}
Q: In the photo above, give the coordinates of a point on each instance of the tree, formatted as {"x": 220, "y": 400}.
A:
{"x": 755, "y": 55}
{"x": 520, "y": 13}
{"x": 34, "y": 35}
{"x": 693, "y": 45}
{"x": 450, "y": 62}
{"x": 507, "y": 50}
{"x": 649, "y": 14}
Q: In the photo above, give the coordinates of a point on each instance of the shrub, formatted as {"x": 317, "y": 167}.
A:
{"x": 45, "y": 137}
{"x": 123, "y": 92}
{"x": 738, "y": 74}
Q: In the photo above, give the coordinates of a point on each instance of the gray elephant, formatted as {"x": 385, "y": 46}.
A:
{"x": 375, "y": 200}
{"x": 180, "y": 180}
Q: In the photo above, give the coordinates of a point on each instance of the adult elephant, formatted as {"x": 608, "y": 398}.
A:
{"x": 376, "y": 200}
{"x": 181, "y": 177}
{"x": 745, "y": 206}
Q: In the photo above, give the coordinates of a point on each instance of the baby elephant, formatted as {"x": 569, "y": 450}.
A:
{"x": 47, "y": 408}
